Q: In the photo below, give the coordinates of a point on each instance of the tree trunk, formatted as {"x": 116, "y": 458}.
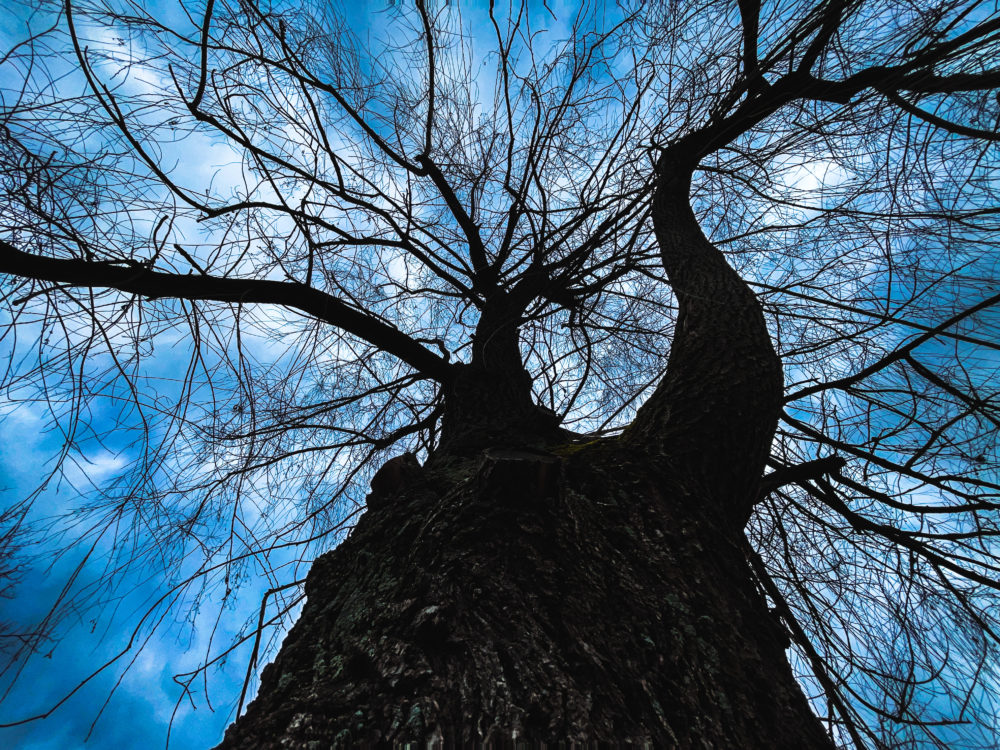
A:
{"x": 569, "y": 596}
{"x": 488, "y": 402}
{"x": 713, "y": 415}
{"x": 517, "y": 589}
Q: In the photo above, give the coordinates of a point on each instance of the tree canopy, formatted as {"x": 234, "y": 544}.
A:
{"x": 247, "y": 248}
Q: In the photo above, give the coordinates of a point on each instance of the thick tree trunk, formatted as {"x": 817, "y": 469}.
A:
{"x": 533, "y": 596}
{"x": 515, "y": 588}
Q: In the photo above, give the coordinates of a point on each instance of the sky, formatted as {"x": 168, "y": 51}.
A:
{"x": 135, "y": 702}
{"x": 146, "y": 702}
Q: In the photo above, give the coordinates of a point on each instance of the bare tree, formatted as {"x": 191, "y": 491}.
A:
{"x": 680, "y": 320}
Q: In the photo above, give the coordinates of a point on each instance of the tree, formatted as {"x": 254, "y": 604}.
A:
{"x": 680, "y": 331}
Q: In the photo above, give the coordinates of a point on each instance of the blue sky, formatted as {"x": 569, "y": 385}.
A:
{"x": 143, "y": 704}
{"x": 144, "y": 699}
{"x": 146, "y": 692}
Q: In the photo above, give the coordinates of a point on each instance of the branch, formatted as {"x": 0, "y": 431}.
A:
{"x": 928, "y": 83}
{"x": 750, "y": 17}
{"x": 256, "y": 639}
{"x": 429, "y": 131}
{"x": 783, "y": 475}
{"x": 141, "y": 280}
{"x": 893, "y": 318}
{"x": 819, "y": 667}
{"x": 825, "y": 493}
{"x": 833, "y": 16}
{"x": 940, "y": 482}
{"x": 483, "y": 275}
{"x": 951, "y": 127}
{"x": 203, "y": 72}
{"x": 914, "y": 75}
{"x": 901, "y": 353}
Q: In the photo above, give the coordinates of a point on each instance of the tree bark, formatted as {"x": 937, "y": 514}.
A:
{"x": 488, "y": 402}
{"x": 561, "y": 596}
{"x": 712, "y": 417}
{"x": 518, "y": 589}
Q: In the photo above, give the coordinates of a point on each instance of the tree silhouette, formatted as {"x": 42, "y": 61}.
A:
{"x": 686, "y": 311}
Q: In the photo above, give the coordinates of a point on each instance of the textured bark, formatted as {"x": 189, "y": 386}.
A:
{"x": 713, "y": 415}
{"x": 534, "y": 596}
{"x": 494, "y": 407}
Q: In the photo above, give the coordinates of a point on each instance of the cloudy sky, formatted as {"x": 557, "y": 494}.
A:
{"x": 136, "y": 700}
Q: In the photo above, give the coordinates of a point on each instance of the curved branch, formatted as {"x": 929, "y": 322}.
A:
{"x": 483, "y": 275}
{"x": 916, "y": 74}
{"x": 714, "y": 413}
{"x": 138, "y": 279}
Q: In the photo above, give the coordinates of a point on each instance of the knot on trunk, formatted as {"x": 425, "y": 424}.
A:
{"x": 395, "y": 476}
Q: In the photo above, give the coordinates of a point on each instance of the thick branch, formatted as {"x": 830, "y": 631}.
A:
{"x": 940, "y": 122}
{"x": 714, "y": 414}
{"x": 139, "y": 279}
{"x": 484, "y": 277}
{"x": 915, "y": 75}
{"x": 783, "y": 475}
{"x": 832, "y": 16}
{"x": 929, "y": 83}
